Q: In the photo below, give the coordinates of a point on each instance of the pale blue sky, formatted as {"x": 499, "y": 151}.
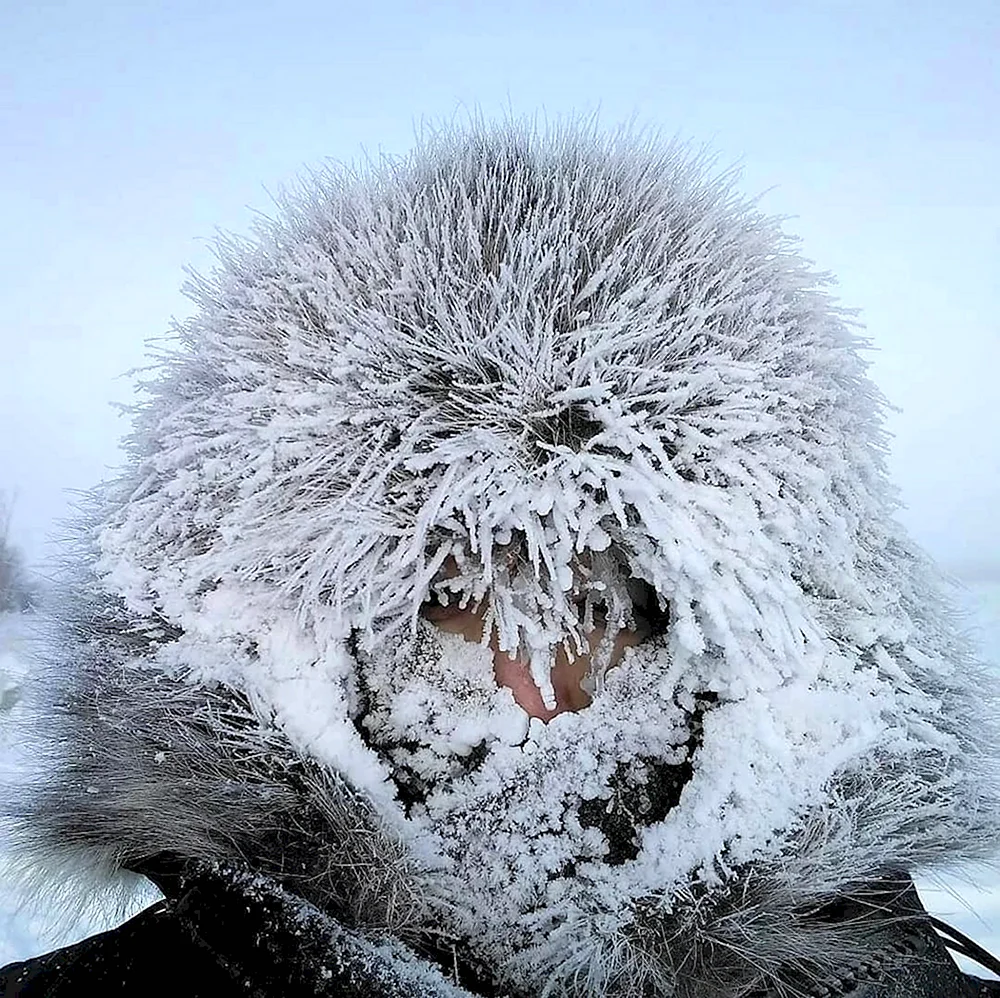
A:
{"x": 131, "y": 130}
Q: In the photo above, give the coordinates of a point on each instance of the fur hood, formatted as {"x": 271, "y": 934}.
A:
{"x": 568, "y": 364}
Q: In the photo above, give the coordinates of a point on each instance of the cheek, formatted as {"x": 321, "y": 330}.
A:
{"x": 511, "y": 673}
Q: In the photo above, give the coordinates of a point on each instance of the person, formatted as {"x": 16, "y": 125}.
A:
{"x": 504, "y": 598}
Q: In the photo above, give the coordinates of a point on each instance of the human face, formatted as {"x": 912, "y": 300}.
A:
{"x": 514, "y": 672}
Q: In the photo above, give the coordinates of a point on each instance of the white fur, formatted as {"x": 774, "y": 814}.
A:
{"x": 530, "y": 352}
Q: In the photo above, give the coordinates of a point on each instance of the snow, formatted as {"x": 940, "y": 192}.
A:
{"x": 32, "y": 926}
{"x": 511, "y": 825}
{"x": 669, "y": 397}
{"x": 968, "y": 899}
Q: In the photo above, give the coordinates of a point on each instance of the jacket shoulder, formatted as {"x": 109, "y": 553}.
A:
{"x": 151, "y": 950}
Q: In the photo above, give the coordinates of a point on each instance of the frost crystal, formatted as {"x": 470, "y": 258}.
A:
{"x": 562, "y": 364}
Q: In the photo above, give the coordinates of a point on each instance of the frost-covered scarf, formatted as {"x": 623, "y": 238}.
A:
{"x": 583, "y": 350}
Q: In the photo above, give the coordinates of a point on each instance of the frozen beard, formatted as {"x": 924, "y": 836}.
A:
{"x": 546, "y": 835}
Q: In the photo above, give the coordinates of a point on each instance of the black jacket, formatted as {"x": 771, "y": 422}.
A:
{"x": 225, "y": 934}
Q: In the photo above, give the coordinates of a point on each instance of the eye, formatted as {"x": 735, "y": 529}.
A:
{"x": 651, "y": 618}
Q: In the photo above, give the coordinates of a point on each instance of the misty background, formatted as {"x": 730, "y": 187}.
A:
{"x": 133, "y": 131}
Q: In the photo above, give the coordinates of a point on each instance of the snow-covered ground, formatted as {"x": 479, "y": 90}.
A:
{"x": 970, "y": 900}
{"x": 18, "y": 935}
{"x": 26, "y": 931}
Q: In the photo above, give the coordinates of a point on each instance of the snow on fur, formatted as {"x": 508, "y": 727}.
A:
{"x": 560, "y": 362}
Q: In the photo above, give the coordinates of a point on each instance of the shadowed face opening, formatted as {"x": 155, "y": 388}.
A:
{"x": 568, "y": 669}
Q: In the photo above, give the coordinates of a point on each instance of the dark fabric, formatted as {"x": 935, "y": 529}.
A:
{"x": 278, "y": 944}
{"x": 154, "y": 949}
{"x": 905, "y": 957}
{"x": 913, "y": 963}
{"x": 230, "y": 933}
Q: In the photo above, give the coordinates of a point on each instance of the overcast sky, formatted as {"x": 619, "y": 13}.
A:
{"x": 130, "y": 131}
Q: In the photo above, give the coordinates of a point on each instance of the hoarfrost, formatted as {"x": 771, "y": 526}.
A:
{"x": 563, "y": 387}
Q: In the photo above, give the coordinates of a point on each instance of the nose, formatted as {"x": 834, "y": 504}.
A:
{"x": 514, "y": 671}
{"x": 567, "y": 676}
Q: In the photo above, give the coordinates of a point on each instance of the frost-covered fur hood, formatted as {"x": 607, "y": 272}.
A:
{"x": 535, "y": 371}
